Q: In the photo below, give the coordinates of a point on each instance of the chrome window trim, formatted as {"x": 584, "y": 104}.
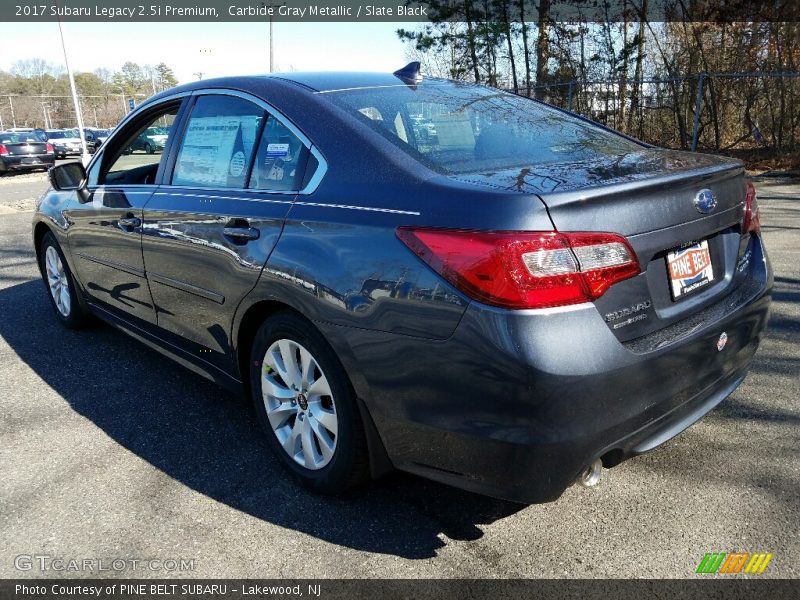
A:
{"x": 220, "y": 194}
{"x": 103, "y": 187}
{"x": 175, "y": 190}
{"x": 322, "y": 167}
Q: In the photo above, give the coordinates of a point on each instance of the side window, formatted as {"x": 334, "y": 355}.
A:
{"x": 138, "y": 161}
{"x": 281, "y": 159}
{"x": 218, "y": 146}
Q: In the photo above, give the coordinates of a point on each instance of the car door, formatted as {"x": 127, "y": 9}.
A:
{"x": 106, "y": 222}
{"x": 209, "y": 229}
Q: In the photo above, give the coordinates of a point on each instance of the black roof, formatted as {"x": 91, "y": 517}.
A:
{"x": 337, "y": 80}
{"x": 311, "y": 81}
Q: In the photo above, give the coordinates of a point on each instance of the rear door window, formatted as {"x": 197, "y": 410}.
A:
{"x": 218, "y": 146}
{"x": 281, "y": 159}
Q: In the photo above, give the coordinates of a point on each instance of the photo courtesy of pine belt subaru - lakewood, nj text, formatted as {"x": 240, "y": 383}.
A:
{"x": 417, "y": 274}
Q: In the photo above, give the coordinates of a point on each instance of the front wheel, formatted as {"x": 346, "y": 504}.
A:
{"x": 307, "y": 406}
{"x": 60, "y": 284}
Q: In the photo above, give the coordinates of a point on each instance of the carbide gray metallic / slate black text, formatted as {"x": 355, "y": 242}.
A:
{"x": 417, "y": 274}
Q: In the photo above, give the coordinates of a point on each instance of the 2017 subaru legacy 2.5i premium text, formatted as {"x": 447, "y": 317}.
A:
{"x": 426, "y": 275}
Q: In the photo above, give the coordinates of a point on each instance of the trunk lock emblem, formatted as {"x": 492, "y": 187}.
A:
{"x": 723, "y": 339}
{"x": 705, "y": 201}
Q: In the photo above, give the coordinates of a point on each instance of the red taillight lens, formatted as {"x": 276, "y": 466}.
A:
{"x": 752, "y": 220}
{"x": 3, "y": 150}
{"x": 525, "y": 269}
{"x": 50, "y": 148}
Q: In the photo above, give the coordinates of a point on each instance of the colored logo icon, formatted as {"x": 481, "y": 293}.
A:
{"x": 736, "y": 562}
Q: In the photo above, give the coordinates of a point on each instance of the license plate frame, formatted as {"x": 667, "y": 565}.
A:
{"x": 689, "y": 269}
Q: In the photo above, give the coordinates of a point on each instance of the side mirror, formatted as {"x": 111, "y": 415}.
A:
{"x": 69, "y": 176}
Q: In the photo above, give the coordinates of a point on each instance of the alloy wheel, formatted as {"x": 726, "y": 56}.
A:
{"x": 299, "y": 403}
{"x": 57, "y": 281}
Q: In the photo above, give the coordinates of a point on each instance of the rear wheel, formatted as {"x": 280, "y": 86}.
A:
{"x": 307, "y": 406}
{"x": 148, "y": 148}
{"x": 60, "y": 284}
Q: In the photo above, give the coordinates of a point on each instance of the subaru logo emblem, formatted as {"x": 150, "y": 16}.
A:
{"x": 705, "y": 201}
{"x": 723, "y": 339}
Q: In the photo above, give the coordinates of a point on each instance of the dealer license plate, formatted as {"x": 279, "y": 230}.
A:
{"x": 689, "y": 269}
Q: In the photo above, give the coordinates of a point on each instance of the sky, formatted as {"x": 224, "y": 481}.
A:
{"x": 215, "y": 49}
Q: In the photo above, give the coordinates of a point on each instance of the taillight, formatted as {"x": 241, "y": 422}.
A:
{"x": 3, "y": 150}
{"x": 752, "y": 220}
{"x": 49, "y": 148}
{"x": 525, "y": 269}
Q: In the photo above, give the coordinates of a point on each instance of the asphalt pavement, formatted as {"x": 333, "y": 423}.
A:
{"x": 110, "y": 451}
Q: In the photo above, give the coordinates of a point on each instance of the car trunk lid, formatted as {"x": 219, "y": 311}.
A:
{"x": 671, "y": 206}
{"x": 25, "y": 148}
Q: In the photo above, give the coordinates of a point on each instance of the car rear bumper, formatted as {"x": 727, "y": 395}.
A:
{"x": 517, "y": 403}
{"x": 21, "y": 162}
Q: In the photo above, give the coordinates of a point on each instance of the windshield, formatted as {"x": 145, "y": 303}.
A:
{"x": 462, "y": 128}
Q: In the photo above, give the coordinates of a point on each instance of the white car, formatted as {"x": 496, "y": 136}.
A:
{"x": 65, "y": 141}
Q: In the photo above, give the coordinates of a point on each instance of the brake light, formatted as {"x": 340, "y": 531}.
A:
{"x": 752, "y": 219}
{"x": 3, "y": 150}
{"x": 49, "y": 148}
{"x": 525, "y": 269}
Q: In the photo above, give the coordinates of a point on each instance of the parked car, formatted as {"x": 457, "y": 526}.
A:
{"x": 511, "y": 307}
{"x": 20, "y": 150}
{"x": 150, "y": 141}
{"x": 93, "y": 139}
{"x": 66, "y": 142}
{"x": 99, "y": 136}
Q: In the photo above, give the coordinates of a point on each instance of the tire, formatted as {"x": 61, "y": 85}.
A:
{"x": 329, "y": 455}
{"x": 148, "y": 149}
{"x": 60, "y": 284}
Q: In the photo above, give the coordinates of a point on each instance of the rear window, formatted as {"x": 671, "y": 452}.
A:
{"x": 15, "y": 137}
{"x": 462, "y": 128}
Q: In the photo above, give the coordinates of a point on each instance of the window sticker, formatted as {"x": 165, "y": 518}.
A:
{"x": 237, "y": 164}
{"x": 274, "y": 167}
{"x": 206, "y": 151}
{"x": 277, "y": 150}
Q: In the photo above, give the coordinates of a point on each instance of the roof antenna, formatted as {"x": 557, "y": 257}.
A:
{"x": 410, "y": 73}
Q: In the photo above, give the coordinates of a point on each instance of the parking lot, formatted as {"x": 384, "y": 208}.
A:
{"x": 108, "y": 450}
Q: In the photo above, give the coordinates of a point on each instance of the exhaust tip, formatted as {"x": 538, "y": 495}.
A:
{"x": 592, "y": 475}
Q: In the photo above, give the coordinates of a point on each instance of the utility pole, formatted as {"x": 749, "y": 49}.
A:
{"x": 44, "y": 112}
{"x": 13, "y": 118}
{"x": 203, "y": 63}
{"x": 271, "y": 43}
{"x": 84, "y": 152}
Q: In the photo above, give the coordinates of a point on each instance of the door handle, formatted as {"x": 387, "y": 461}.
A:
{"x": 239, "y": 231}
{"x": 129, "y": 222}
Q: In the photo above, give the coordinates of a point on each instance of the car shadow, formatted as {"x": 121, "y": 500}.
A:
{"x": 210, "y": 441}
